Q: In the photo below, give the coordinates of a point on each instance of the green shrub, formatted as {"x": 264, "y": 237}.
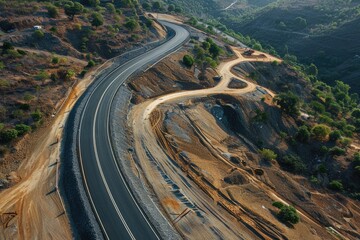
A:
{"x": 320, "y": 132}
{"x": 337, "y": 151}
{"x": 318, "y": 107}
{"x": 336, "y": 185}
{"x": 42, "y": 76}
{"x": 294, "y": 164}
{"x": 21, "y": 52}
{"x": 335, "y": 135}
{"x": 355, "y": 196}
{"x": 52, "y": 11}
{"x": 323, "y": 150}
{"x": 357, "y": 158}
{"x": 288, "y": 214}
{"x": 28, "y": 97}
{"x": 357, "y": 170}
{"x": 6, "y": 47}
{"x": 110, "y": 7}
{"x": 345, "y": 142}
{"x": 55, "y": 60}
{"x": 22, "y": 129}
{"x": 278, "y": 205}
{"x": 303, "y": 134}
{"x": 91, "y": 64}
{"x": 97, "y": 19}
{"x": 36, "y": 115}
{"x": 188, "y": 60}
{"x": 8, "y": 135}
{"x": 83, "y": 73}
{"x": 356, "y": 113}
{"x": 288, "y": 102}
{"x": 13, "y": 53}
{"x": 268, "y": 154}
{"x": 38, "y": 34}
{"x": 131, "y": 25}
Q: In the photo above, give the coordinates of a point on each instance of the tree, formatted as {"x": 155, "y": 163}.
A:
{"x": 156, "y": 5}
{"x": 320, "y": 132}
{"x": 178, "y": 9}
{"x": 132, "y": 25}
{"x": 205, "y": 45}
{"x": 188, "y": 60}
{"x": 312, "y": 70}
{"x": 52, "y": 11}
{"x": 72, "y": 9}
{"x": 288, "y": 214}
{"x": 268, "y": 154}
{"x": 97, "y": 19}
{"x": 257, "y": 46}
{"x": 288, "y": 102}
{"x": 318, "y": 107}
{"x": 356, "y": 113}
{"x": 303, "y": 134}
{"x": 301, "y": 23}
{"x": 91, "y": 3}
{"x": 214, "y": 50}
{"x": 146, "y": 6}
{"x": 171, "y": 7}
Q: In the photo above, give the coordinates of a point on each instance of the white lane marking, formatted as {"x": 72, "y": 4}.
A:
{"x": 87, "y": 187}
{"x": 82, "y": 117}
{"x": 105, "y": 182}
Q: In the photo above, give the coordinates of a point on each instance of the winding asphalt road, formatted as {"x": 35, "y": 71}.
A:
{"x": 114, "y": 206}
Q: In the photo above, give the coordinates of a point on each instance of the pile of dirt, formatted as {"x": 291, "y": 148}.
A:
{"x": 236, "y": 178}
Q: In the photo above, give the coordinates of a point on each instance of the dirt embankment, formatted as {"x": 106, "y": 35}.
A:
{"x": 209, "y": 140}
{"x": 162, "y": 79}
{"x": 215, "y": 142}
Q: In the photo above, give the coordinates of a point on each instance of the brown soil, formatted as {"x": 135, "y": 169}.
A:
{"x": 216, "y": 154}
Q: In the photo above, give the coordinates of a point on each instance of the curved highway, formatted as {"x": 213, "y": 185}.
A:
{"x": 114, "y": 206}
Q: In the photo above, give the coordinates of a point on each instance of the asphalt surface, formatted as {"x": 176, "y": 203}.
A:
{"x": 113, "y": 204}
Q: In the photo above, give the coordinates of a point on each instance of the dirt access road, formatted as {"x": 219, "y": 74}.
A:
{"x": 147, "y": 146}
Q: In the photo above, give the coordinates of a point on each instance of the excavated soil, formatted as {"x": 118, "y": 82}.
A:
{"x": 209, "y": 145}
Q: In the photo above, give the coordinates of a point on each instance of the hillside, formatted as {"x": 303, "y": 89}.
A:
{"x": 324, "y": 33}
{"x": 246, "y": 150}
{"x": 45, "y": 49}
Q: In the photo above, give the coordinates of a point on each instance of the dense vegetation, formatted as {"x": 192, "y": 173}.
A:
{"x": 321, "y": 32}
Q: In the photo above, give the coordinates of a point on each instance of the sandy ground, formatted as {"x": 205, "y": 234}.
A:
{"x": 32, "y": 209}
